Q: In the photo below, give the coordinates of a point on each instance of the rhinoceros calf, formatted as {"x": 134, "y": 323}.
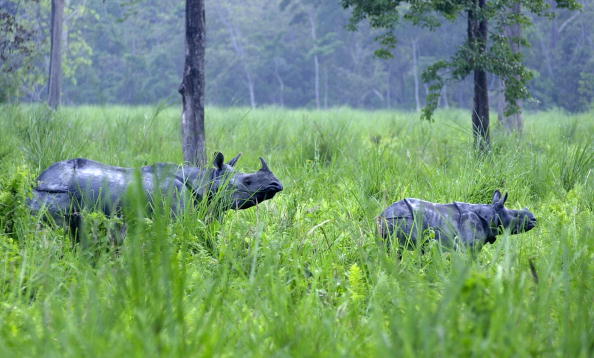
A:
{"x": 470, "y": 224}
{"x": 68, "y": 187}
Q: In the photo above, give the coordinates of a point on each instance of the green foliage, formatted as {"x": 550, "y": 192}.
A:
{"x": 18, "y": 48}
{"x": 496, "y": 56}
{"x": 357, "y": 285}
{"x": 111, "y": 56}
{"x": 45, "y": 137}
{"x": 302, "y": 274}
{"x": 102, "y": 231}
{"x": 14, "y": 191}
{"x": 576, "y": 164}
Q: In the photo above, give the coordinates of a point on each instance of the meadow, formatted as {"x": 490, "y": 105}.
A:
{"x": 303, "y": 274}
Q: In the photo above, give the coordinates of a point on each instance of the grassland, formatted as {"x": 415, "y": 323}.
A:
{"x": 303, "y": 274}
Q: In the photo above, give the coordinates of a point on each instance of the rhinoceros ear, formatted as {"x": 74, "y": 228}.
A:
{"x": 219, "y": 160}
{"x": 234, "y": 160}
{"x": 504, "y": 199}
{"x": 496, "y": 197}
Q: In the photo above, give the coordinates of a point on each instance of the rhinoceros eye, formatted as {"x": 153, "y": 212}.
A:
{"x": 247, "y": 182}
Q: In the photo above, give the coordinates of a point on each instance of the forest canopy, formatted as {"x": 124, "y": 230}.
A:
{"x": 261, "y": 53}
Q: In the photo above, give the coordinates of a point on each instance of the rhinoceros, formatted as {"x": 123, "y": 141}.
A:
{"x": 69, "y": 187}
{"x": 469, "y": 224}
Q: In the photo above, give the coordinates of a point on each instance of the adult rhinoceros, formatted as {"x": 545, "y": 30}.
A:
{"x": 69, "y": 187}
{"x": 470, "y": 224}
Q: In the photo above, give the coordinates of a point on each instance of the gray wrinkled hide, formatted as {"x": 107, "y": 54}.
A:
{"x": 68, "y": 187}
{"x": 470, "y": 224}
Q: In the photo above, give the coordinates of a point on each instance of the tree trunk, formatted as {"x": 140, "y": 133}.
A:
{"x": 252, "y": 91}
{"x": 388, "y": 87}
{"x": 55, "y": 68}
{"x": 235, "y": 35}
{"x": 416, "y": 75}
{"x": 547, "y": 51}
{"x": 326, "y": 88}
{"x": 460, "y": 96}
{"x": 515, "y": 122}
{"x": 281, "y": 84}
{"x": 477, "y": 39}
{"x": 192, "y": 86}
{"x": 501, "y": 102}
{"x": 444, "y": 96}
{"x": 314, "y": 38}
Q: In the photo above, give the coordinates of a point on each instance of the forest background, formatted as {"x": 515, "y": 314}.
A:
{"x": 261, "y": 53}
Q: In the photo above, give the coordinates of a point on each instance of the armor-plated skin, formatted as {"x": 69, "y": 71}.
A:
{"x": 470, "y": 224}
{"x": 68, "y": 187}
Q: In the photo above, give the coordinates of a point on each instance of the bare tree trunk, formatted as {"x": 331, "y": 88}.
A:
{"x": 235, "y": 41}
{"x": 515, "y": 122}
{"x": 317, "y": 80}
{"x": 403, "y": 85}
{"x": 546, "y": 50}
{"x": 314, "y": 37}
{"x": 250, "y": 83}
{"x": 477, "y": 38}
{"x": 55, "y": 68}
{"x": 444, "y": 96}
{"x": 192, "y": 86}
{"x": 388, "y": 87}
{"x": 281, "y": 84}
{"x": 501, "y": 102}
{"x": 416, "y": 74}
{"x": 325, "y": 75}
{"x": 460, "y": 97}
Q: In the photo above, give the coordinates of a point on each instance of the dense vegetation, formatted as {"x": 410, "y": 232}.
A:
{"x": 302, "y": 274}
{"x": 260, "y": 53}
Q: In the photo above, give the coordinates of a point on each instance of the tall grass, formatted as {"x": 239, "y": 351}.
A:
{"x": 302, "y": 274}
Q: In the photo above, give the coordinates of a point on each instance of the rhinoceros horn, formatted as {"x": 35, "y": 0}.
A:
{"x": 233, "y": 161}
{"x": 264, "y": 165}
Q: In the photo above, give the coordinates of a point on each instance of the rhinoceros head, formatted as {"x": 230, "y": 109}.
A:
{"x": 517, "y": 221}
{"x": 244, "y": 189}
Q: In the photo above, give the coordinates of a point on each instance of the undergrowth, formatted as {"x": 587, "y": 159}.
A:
{"x": 303, "y": 274}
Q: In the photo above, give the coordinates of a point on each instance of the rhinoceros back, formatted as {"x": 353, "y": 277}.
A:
{"x": 88, "y": 183}
{"x": 409, "y": 218}
{"x": 57, "y": 177}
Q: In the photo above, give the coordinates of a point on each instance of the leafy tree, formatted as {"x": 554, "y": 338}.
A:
{"x": 563, "y": 57}
{"x": 132, "y": 52}
{"x": 480, "y": 54}
{"x": 17, "y": 47}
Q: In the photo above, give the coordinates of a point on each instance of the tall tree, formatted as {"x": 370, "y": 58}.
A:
{"x": 17, "y": 49}
{"x": 55, "y": 67}
{"x": 307, "y": 11}
{"x": 192, "y": 86}
{"x": 478, "y": 55}
{"x": 477, "y": 44}
{"x": 415, "y": 62}
{"x": 236, "y": 41}
{"x": 311, "y": 18}
{"x": 513, "y": 122}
